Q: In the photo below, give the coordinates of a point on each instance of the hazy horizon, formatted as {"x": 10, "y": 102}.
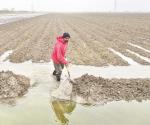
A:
{"x": 77, "y": 5}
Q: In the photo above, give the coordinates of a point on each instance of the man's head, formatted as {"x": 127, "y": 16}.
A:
{"x": 66, "y": 37}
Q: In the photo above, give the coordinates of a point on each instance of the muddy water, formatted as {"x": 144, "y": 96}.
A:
{"x": 37, "y": 107}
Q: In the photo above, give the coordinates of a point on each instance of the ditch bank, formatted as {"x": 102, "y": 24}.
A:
{"x": 97, "y": 90}
{"x": 12, "y": 85}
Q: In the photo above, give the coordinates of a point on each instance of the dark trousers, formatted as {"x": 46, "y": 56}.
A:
{"x": 58, "y": 68}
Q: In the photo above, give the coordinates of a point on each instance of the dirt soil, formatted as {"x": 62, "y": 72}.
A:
{"x": 91, "y": 36}
{"x": 12, "y": 85}
{"x": 100, "y": 90}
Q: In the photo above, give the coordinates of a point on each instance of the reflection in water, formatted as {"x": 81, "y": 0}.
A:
{"x": 62, "y": 108}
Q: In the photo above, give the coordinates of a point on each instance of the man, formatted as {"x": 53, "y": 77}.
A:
{"x": 58, "y": 54}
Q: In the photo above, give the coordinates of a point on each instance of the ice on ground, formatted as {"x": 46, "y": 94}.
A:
{"x": 129, "y": 60}
{"x": 42, "y": 72}
{"x": 137, "y": 46}
{"x": 36, "y": 69}
{"x": 138, "y": 55}
{"x": 5, "y": 55}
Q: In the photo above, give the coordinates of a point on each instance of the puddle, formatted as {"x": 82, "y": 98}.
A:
{"x": 38, "y": 107}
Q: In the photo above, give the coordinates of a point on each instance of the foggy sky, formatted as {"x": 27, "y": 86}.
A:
{"x": 76, "y": 5}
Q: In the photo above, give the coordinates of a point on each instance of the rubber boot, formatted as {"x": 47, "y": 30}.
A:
{"x": 54, "y": 73}
{"x": 58, "y": 77}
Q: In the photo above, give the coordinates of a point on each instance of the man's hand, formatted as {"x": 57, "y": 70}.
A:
{"x": 67, "y": 65}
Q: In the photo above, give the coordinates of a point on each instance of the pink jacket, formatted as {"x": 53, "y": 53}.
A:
{"x": 58, "y": 54}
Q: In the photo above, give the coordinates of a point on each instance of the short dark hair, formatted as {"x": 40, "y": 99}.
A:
{"x": 66, "y": 35}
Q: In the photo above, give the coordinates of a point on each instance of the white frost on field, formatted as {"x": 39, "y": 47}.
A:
{"x": 137, "y": 46}
{"x": 138, "y": 55}
{"x": 127, "y": 59}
